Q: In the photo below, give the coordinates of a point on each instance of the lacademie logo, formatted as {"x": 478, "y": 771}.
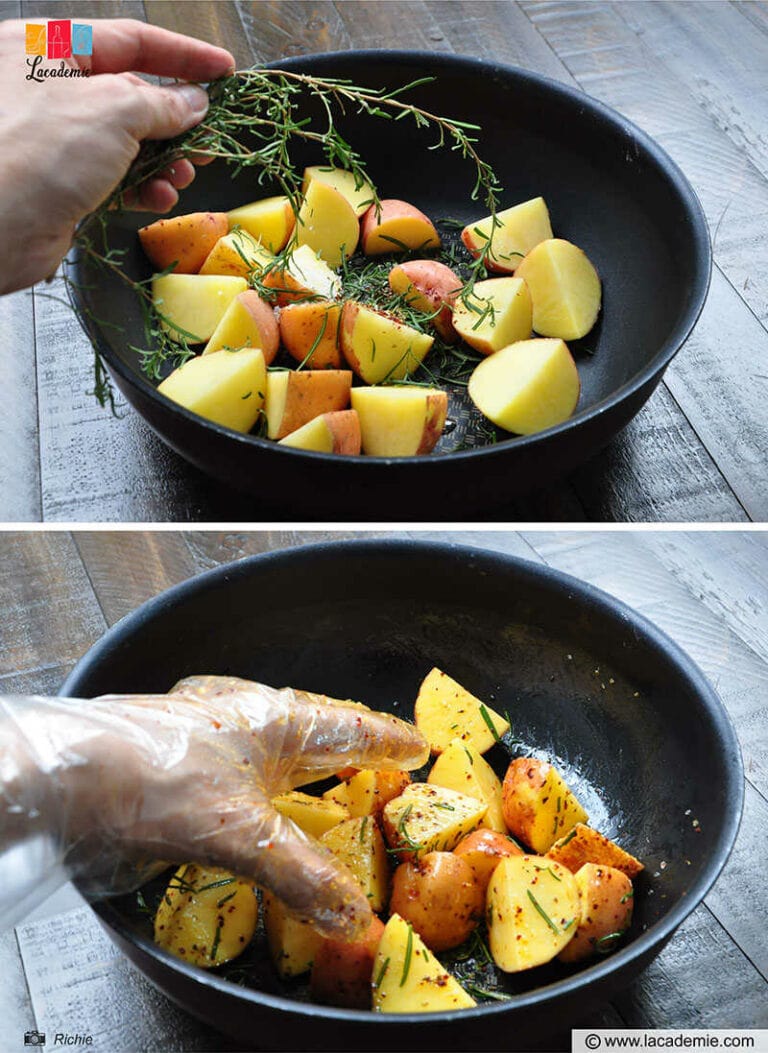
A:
{"x": 59, "y": 39}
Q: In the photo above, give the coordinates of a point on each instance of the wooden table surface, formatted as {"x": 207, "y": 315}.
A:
{"x": 709, "y": 591}
{"x": 694, "y": 75}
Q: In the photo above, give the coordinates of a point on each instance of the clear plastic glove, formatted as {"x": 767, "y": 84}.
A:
{"x": 94, "y": 789}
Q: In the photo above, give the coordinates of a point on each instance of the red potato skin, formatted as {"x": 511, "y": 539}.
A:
{"x": 483, "y": 850}
{"x": 517, "y": 815}
{"x": 342, "y": 970}
{"x": 183, "y": 240}
{"x": 490, "y": 264}
{"x": 440, "y": 897}
{"x": 606, "y": 902}
{"x": 438, "y": 284}
{"x": 300, "y": 324}
{"x": 437, "y": 411}
{"x": 264, "y": 317}
{"x": 347, "y": 323}
{"x": 344, "y": 425}
{"x": 392, "y": 209}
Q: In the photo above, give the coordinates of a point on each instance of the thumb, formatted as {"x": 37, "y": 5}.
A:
{"x": 152, "y": 112}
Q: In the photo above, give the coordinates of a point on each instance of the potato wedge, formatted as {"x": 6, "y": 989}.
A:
{"x": 270, "y": 221}
{"x": 429, "y": 286}
{"x": 397, "y": 226}
{"x": 310, "y": 333}
{"x": 445, "y": 711}
{"x": 483, "y": 849}
{"x": 366, "y": 792}
{"x": 293, "y": 943}
{"x": 538, "y": 806}
{"x": 407, "y": 978}
{"x": 497, "y": 313}
{"x": 400, "y": 421}
{"x": 606, "y": 898}
{"x": 533, "y": 910}
{"x": 336, "y": 432}
{"x": 428, "y": 818}
{"x": 565, "y": 289}
{"x": 460, "y": 767}
{"x": 327, "y": 223}
{"x": 304, "y": 277}
{"x": 293, "y": 398}
{"x": 516, "y": 231}
{"x": 182, "y": 240}
{"x": 583, "y": 845}
{"x": 206, "y": 916}
{"x": 226, "y": 387}
{"x": 358, "y": 844}
{"x": 440, "y": 897}
{"x": 342, "y": 971}
{"x": 377, "y": 346}
{"x": 248, "y": 322}
{"x": 192, "y": 305}
{"x": 359, "y": 194}
{"x": 237, "y": 253}
{"x": 312, "y": 814}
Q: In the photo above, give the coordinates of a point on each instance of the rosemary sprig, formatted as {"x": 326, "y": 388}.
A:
{"x": 254, "y": 118}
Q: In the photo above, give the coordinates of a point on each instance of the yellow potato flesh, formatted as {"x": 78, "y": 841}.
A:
{"x": 407, "y": 978}
{"x": 532, "y": 911}
{"x": 528, "y": 386}
{"x": 552, "y": 810}
{"x": 312, "y": 814}
{"x": 498, "y": 313}
{"x": 315, "y": 435}
{"x": 293, "y": 943}
{"x": 312, "y": 274}
{"x": 521, "y": 228}
{"x": 226, "y": 387}
{"x": 358, "y": 844}
{"x": 444, "y": 711}
{"x": 426, "y": 818}
{"x": 384, "y": 348}
{"x": 564, "y": 288}
{"x": 236, "y": 253}
{"x": 194, "y": 303}
{"x": 236, "y": 329}
{"x": 399, "y": 422}
{"x": 269, "y": 221}
{"x": 206, "y": 916}
{"x": 327, "y": 224}
{"x": 359, "y": 197}
{"x": 461, "y": 768}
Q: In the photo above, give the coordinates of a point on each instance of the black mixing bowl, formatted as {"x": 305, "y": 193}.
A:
{"x": 588, "y": 682}
{"x": 610, "y": 189}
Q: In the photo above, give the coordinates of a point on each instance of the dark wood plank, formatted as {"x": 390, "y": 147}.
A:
{"x": 701, "y": 979}
{"x": 85, "y": 9}
{"x": 720, "y": 58}
{"x": 218, "y": 23}
{"x": 756, "y": 13}
{"x": 608, "y": 59}
{"x": 10, "y": 9}
{"x": 19, "y": 449}
{"x": 283, "y": 28}
{"x": 50, "y": 614}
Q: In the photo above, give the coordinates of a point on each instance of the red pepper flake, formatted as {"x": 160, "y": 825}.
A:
{"x": 216, "y": 724}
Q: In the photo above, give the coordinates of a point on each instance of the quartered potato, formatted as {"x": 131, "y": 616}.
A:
{"x": 444, "y": 711}
{"x": 606, "y": 899}
{"x": 292, "y": 941}
{"x": 427, "y": 818}
{"x": 312, "y": 814}
{"x": 461, "y": 768}
{"x": 585, "y": 845}
{"x": 366, "y": 792}
{"x": 206, "y": 916}
{"x": 358, "y": 844}
{"x": 538, "y": 806}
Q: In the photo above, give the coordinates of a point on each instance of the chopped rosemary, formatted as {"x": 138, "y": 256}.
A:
{"x": 491, "y": 726}
{"x": 407, "y": 959}
{"x": 382, "y": 973}
{"x": 216, "y": 940}
{"x": 405, "y": 837}
{"x": 569, "y": 837}
{"x": 483, "y": 992}
{"x": 363, "y": 827}
{"x": 605, "y": 944}
{"x": 469, "y": 755}
{"x": 221, "y": 902}
{"x": 627, "y": 895}
{"x": 543, "y": 913}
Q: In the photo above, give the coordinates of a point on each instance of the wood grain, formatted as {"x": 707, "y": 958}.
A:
{"x": 218, "y": 23}
{"x": 20, "y": 499}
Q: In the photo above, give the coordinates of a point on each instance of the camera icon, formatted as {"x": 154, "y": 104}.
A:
{"x": 34, "y": 1038}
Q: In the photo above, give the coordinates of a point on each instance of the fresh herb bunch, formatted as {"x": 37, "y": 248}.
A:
{"x": 254, "y": 118}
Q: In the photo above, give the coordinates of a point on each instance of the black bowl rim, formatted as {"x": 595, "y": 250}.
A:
{"x": 645, "y": 943}
{"x": 690, "y": 204}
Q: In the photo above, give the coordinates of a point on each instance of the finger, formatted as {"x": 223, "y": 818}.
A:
{"x": 125, "y": 44}
{"x": 149, "y": 112}
{"x": 179, "y": 174}
{"x": 250, "y": 839}
{"x": 323, "y": 738}
{"x": 201, "y": 159}
{"x": 154, "y": 195}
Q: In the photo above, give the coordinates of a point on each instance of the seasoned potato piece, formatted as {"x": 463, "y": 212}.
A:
{"x": 293, "y": 942}
{"x": 483, "y": 850}
{"x": 439, "y": 896}
{"x": 538, "y": 806}
{"x": 428, "y": 818}
{"x": 605, "y": 902}
{"x": 460, "y": 767}
{"x": 366, "y": 792}
{"x": 445, "y": 711}
{"x": 585, "y": 845}
{"x": 206, "y": 916}
{"x": 533, "y": 910}
{"x": 314, "y": 815}
{"x": 343, "y": 969}
{"x": 358, "y": 844}
{"x": 408, "y": 979}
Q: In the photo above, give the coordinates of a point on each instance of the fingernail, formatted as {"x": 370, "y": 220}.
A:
{"x": 195, "y": 97}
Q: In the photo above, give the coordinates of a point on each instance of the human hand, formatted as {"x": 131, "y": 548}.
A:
{"x": 66, "y": 143}
{"x": 188, "y": 777}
